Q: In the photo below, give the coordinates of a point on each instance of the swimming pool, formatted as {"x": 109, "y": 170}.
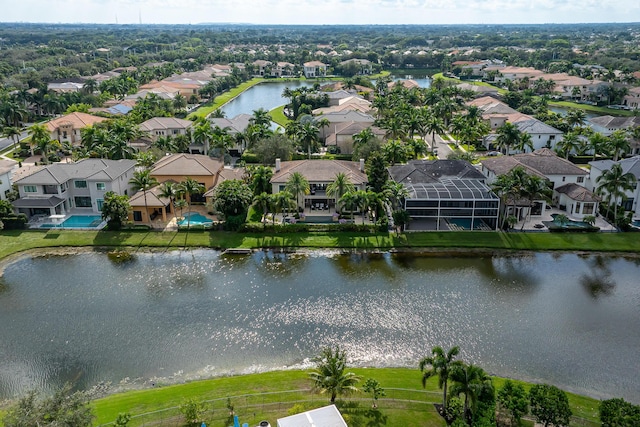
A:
{"x": 194, "y": 218}
{"x": 78, "y": 221}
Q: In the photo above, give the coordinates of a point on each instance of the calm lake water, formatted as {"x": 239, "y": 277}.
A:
{"x": 570, "y": 320}
{"x": 265, "y": 95}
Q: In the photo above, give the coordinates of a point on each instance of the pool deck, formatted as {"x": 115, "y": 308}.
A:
{"x": 533, "y": 223}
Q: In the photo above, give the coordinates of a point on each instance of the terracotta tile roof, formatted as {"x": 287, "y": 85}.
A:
{"x": 77, "y": 120}
{"x": 186, "y": 165}
{"x": 320, "y": 171}
{"x": 163, "y": 123}
{"x": 153, "y": 199}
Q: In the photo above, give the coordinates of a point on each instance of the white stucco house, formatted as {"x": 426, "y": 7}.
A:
{"x": 7, "y": 168}
{"x": 64, "y": 188}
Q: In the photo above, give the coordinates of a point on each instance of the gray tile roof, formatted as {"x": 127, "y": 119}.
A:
{"x": 451, "y": 189}
{"x": 630, "y": 165}
{"x": 543, "y": 162}
{"x": 90, "y": 169}
{"x": 237, "y": 125}
{"x": 431, "y": 171}
{"x": 577, "y": 192}
{"x": 37, "y": 202}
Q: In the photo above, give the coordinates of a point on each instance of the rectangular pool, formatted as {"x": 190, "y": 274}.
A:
{"x": 77, "y": 221}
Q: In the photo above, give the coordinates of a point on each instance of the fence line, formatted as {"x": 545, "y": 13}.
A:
{"x": 241, "y": 403}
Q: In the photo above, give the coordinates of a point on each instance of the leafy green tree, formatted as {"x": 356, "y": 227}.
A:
{"x": 123, "y": 420}
{"x": 377, "y": 174}
{"x": 331, "y": 376}
{"x": 440, "y": 365}
{"x": 273, "y": 147}
{"x": 115, "y": 209}
{"x": 619, "y": 413}
{"x": 64, "y": 408}
{"x": 193, "y": 411}
{"x": 6, "y": 208}
{"x": 260, "y": 179}
{"x": 349, "y": 202}
{"x": 512, "y": 398}
{"x": 262, "y": 202}
{"x": 143, "y": 181}
{"x": 376, "y": 391}
{"x": 394, "y": 151}
{"x": 549, "y": 405}
{"x": 232, "y": 198}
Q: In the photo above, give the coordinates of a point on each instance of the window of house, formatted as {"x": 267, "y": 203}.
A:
{"x": 580, "y": 179}
{"x": 588, "y": 208}
{"x": 100, "y": 204}
{"x": 82, "y": 202}
{"x": 80, "y": 184}
{"x": 577, "y": 207}
{"x": 100, "y": 186}
{"x": 30, "y": 189}
{"x": 137, "y": 215}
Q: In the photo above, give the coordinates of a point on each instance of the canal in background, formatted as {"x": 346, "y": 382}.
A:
{"x": 566, "y": 319}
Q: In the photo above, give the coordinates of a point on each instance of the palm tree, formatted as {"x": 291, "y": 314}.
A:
{"x": 597, "y": 142}
{"x": 38, "y": 133}
{"x": 202, "y": 134}
{"x": 297, "y": 184}
{"x": 576, "y": 117}
{"x": 619, "y": 143}
{"x": 13, "y": 133}
{"x": 614, "y": 183}
{"x": 349, "y": 200}
{"x": 471, "y": 381}
{"x": 534, "y": 188}
{"x": 190, "y": 187}
{"x": 180, "y": 204}
{"x": 282, "y": 201}
{"x": 170, "y": 190}
{"x": 261, "y": 117}
{"x": 394, "y": 151}
{"x": 143, "y": 181}
{"x": 362, "y": 198}
{"x": 262, "y": 201}
{"x": 340, "y": 185}
{"x": 440, "y": 365}
{"x": 508, "y": 135}
{"x": 524, "y": 143}
{"x": 307, "y": 136}
{"x": 395, "y": 192}
{"x": 260, "y": 179}
{"x": 363, "y": 137}
{"x": 432, "y": 124}
{"x": 330, "y": 374}
{"x": 570, "y": 142}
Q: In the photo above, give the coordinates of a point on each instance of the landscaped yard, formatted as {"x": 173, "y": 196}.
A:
{"x": 406, "y": 402}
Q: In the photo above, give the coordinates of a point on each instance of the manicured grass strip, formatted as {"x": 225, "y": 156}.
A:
{"x": 402, "y": 384}
{"x": 472, "y": 82}
{"x": 277, "y": 115}
{"x": 220, "y": 100}
{"x": 592, "y": 108}
{"x": 16, "y": 241}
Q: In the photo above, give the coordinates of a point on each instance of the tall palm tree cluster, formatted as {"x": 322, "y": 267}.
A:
{"x": 109, "y": 140}
{"x": 517, "y": 186}
{"x": 412, "y": 117}
{"x": 468, "y": 380}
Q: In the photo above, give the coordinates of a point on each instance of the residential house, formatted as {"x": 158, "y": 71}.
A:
{"x": 7, "y": 169}
{"x": 338, "y": 117}
{"x": 149, "y": 205}
{"x": 606, "y": 125}
{"x": 446, "y": 195}
{"x": 364, "y": 67}
{"x": 497, "y": 113}
{"x": 263, "y": 67}
{"x": 631, "y": 165}
{"x": 327, "y": 416}
{"x": 564, "y": 179}
{"x": 341, "y": 135}
{"x": 67, "y": 128}
{"x": 319, "y": 174}
{"x": 479, "y": 91}
{"x": 576, "y": 88}
{"x": 234, "y": 126}
{"x": 157, "y": 127}
{"x": 315, "y": 69}
{"x": 351, "y": 103}
{"x": 62, "y": 188}
{"x": 632, "y": 99}
{"x": 512, "y": 73}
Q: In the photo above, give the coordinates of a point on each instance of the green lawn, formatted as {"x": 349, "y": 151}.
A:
{"x": 592, "y": 108}
{"x": 277, "y": 115}
{"x": 406, "y": 402}
{"x": 16, "y": 241}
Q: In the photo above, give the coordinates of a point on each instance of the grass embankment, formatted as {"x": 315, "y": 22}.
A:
{"x": 222, "y": 99}
{"x": 277, "y": 115}
{"x": 591, "y": 108}
{"x": 406, "y": 403}
{"x": 471, "y": 82}
{"x": 15, "y": 241}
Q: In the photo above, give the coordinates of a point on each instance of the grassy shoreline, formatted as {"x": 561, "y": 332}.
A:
{"x": 284, "y": 388}
{"x": 16, "y": 241}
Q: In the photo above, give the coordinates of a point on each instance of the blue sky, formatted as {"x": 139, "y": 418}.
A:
{"x": 321, "y": 11}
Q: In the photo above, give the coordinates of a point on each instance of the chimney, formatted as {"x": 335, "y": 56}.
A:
{"x": 277, "y": 165}
{"x": 361, "y": 165}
